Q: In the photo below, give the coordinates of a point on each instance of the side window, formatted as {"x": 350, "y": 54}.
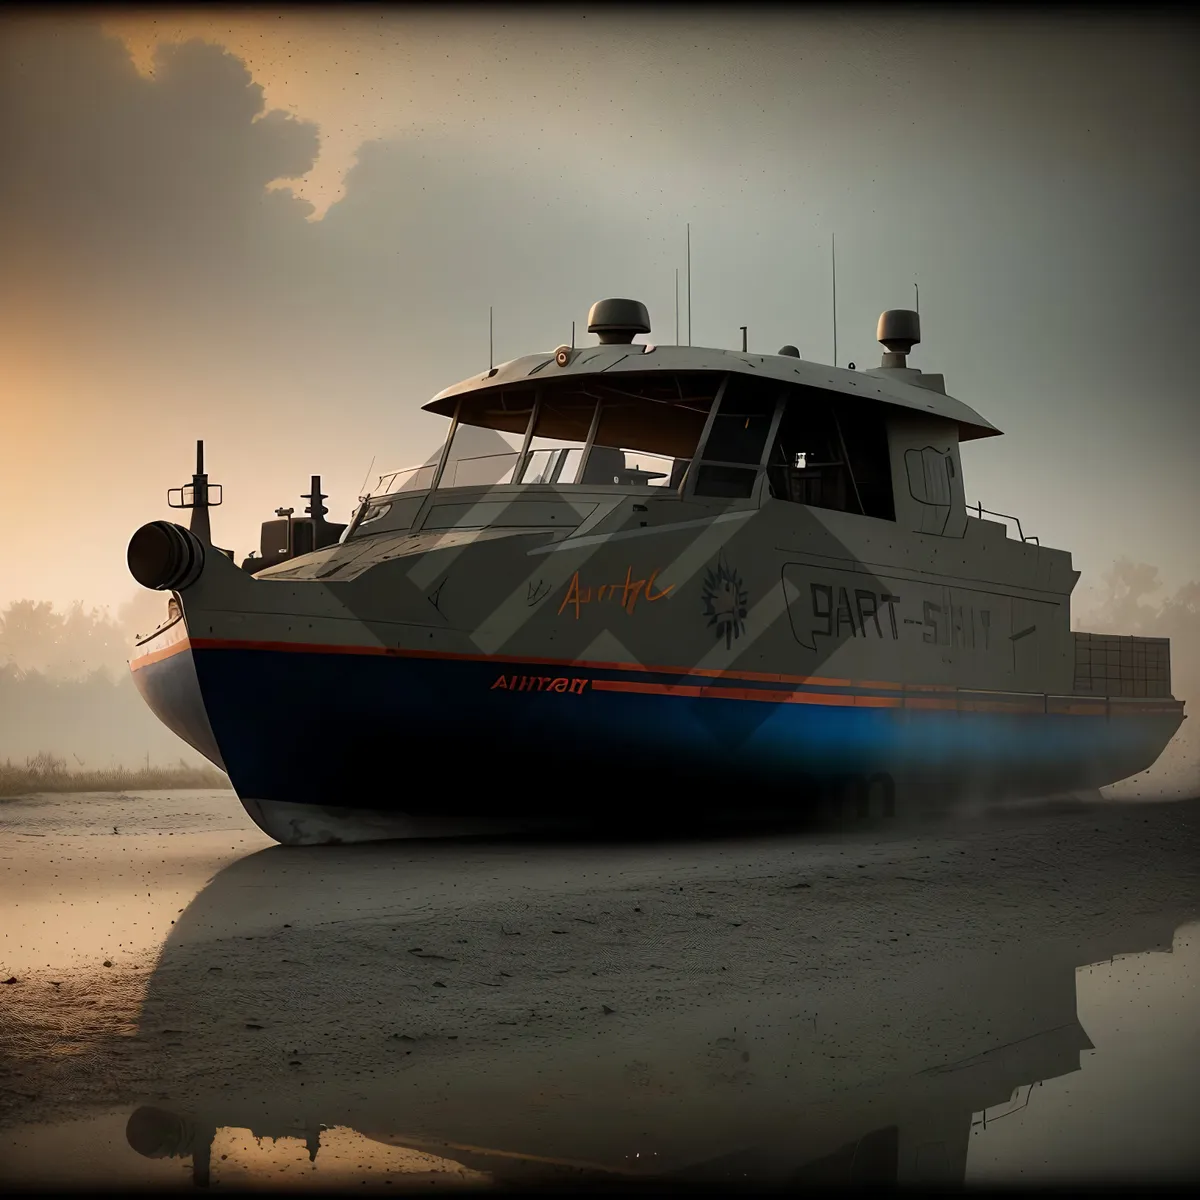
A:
{"x": 832, "y": 452}
{"x": 731, "y": 456}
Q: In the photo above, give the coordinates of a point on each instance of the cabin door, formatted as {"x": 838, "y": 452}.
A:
{"x": 930, "y": 483}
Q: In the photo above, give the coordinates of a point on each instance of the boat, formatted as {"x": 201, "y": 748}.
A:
{"x": 696, "y": 580}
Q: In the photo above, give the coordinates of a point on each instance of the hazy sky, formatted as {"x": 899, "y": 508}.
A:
{"x": 284, "y": 238}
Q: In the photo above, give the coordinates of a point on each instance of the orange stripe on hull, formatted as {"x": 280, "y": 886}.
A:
{"x": 519, "y": 659}
{"x": 1027, "y": 703}
{"x": 697, "y": 691}
{"x": 144, "y": 660}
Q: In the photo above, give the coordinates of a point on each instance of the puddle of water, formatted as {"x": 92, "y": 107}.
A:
{"x": 428, "y": 1017}
{"x": 96, "y": 1152}
{"x": 1131, "y": 1108}
{"x": 1111, "y": 1097}
{"x": 91, "y": 1152}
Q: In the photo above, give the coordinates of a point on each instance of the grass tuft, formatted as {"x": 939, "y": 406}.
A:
{"x": 45, "y": 772}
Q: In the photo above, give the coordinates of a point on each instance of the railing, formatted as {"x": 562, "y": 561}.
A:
{"x": 458, "y": 473}
{"x": 394, "y": 481}
{"x": 410, "y": 478}
{"x": 459, "y": 470}
{"x": 978, "y": 510}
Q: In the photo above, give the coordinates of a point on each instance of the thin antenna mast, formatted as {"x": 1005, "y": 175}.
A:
{"x": 677, "y": 306}
{"x": 491, "y": 344}
{"x": 367, "y": 476}
{"x": 743, "y": 329}
{"x": 833, "y": 264}
{"x": 689, "y": 281}
{"x": 572, "y": 335}
{"x": 918, "y": 291}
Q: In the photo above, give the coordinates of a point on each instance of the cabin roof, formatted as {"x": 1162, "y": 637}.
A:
{"x": 642, "y": 358}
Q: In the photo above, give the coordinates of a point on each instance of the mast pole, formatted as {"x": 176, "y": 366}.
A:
{"x": 689, "y": 282}
{"x": 199, "y": 524}
{"x": 833, "y": 266}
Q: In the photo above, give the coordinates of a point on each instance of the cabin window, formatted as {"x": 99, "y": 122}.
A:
{"x": 831, "y": 451}
{"x": 561, "y": 426}
{"x": 627, "y": 431}
{"x": 624, "y": 455}
{"x": 733, "y": 451}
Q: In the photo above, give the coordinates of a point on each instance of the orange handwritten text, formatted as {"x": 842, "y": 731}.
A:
{"x": 540, "y": 683}
{"x": 629, "y": 591}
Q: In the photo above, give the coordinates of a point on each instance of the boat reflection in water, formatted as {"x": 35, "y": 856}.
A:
{"x": 876, "y": 1077}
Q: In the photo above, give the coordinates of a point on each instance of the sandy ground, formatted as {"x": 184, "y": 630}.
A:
{"x": 499, "y": 1010}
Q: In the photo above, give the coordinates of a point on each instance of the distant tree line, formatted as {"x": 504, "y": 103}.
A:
{"x": 1123, "y": 603}
{"x": 66, "y": 691}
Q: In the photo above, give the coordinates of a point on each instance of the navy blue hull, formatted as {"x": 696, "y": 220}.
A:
{"x": 443, "y": 736}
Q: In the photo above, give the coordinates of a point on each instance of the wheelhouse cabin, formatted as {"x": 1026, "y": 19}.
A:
{"x": 697, "y": 424}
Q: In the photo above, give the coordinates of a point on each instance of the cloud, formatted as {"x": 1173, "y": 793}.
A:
{"x": 104, "y": 163}
{"x": 159, "y": 285}
{"x": 143, "y": 208}
{"x": 157, "y": 288}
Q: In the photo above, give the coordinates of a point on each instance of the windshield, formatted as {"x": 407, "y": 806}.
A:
{"x": 641, "y": 432}
{"x": 548, "y": 462}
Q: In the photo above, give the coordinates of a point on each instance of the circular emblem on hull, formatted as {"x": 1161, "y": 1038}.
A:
{"x": 725, "y": 602}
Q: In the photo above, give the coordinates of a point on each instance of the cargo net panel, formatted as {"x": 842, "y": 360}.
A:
{"x": 1122, "y": 666}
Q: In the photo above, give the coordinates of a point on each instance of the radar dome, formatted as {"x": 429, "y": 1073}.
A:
{"x": 899, "y": 330}
{"x": 615, "y": 322}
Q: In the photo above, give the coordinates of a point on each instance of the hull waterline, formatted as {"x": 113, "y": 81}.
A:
{"x": 324, "y": 744}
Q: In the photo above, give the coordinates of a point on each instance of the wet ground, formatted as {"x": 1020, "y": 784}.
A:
{"x": 988, "y": 1000}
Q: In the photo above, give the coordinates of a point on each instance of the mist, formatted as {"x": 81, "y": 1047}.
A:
{"x": 66, "y": 691}
{"x": 1130, "y": 599}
